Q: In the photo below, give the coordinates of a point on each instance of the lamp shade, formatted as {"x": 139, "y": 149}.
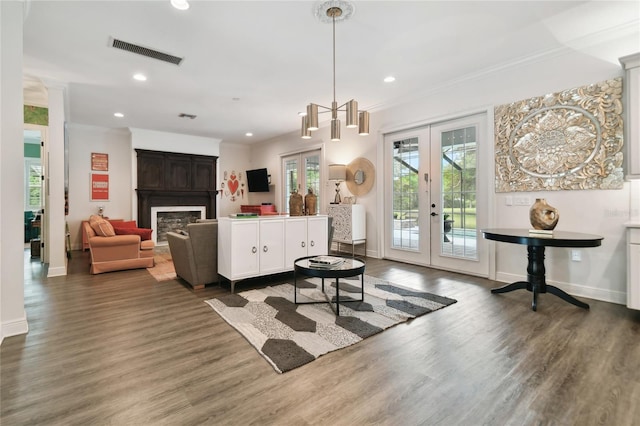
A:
{"x": 337, "y": 172}
{"x": 363, "y": 125}
{"x": 305, "y": 133}
{"x": 352, "y": 114}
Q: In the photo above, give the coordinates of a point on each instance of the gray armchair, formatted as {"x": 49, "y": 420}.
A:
{"x": 195, "y": 256}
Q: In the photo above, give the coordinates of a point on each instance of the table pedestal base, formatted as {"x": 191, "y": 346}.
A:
{"x": 536, "y": 282}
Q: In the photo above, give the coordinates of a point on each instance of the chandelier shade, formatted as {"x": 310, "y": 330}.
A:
{"x": 354, "y": 117}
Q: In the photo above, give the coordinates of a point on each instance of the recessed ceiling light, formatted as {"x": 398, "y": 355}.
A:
{"x": 389, "y": 79}
{"x": 118, "y": 114}
{"x": 180, "y": 4}
{"x": 248, "y": 134}
{"x": 140, "y": 77}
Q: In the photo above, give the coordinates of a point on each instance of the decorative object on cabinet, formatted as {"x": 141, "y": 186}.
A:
{"x": 295, "y": 204}
{"x": 360, "y": 176}
{"x": 337, "y": 173}
{"x": 631, "y": 85}
{"x": 543, "y": 216}
{"x": 262, "y": 210}
{"x": 561, "y": 141}
{"x": 310, "y": 203}
{"x": 349, "y": 225}
{"x": 332, "y": 11}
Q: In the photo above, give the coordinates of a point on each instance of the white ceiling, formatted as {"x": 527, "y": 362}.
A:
{"x": 274, "y": 57}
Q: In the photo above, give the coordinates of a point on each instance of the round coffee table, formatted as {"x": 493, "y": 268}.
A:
{"x": 349, "y": 267}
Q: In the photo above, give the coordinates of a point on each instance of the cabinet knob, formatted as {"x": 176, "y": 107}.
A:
{"x": 265, "y": 249}
{"x": 302, "y": 244}
{"x": 313, "y": 243}
{"x": 254, "y": 249}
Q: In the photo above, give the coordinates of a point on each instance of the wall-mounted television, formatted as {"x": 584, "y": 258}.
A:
{"x": 258, "y": 180}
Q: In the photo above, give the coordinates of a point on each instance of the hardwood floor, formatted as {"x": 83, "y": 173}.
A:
{"x": 121, "y": 349}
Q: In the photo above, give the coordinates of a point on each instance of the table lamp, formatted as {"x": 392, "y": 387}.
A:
{"x": 337, "y": 173}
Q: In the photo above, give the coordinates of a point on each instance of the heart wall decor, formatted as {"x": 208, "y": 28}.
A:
{"x": 234, "y": 185}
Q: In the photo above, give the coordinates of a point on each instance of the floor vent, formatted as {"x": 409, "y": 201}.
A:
{"x": 144, "y": 51}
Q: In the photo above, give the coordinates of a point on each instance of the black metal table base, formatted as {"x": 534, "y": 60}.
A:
{"x": 536, "y": 282}
{"x": 326, "y": 296}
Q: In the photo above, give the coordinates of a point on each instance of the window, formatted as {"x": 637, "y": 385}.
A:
{"x": 301, "y": 172}
{"x": 32, "y": 184}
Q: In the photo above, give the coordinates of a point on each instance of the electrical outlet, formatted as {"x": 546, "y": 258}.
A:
{"x": 576, "y": 255}
{"x": 508, "y": 200}
{"x": 521, "y": 201}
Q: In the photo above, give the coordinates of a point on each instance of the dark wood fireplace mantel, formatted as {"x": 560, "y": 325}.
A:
{"x": 172, "y": 179}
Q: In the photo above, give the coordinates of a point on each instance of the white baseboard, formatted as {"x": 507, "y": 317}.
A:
{"x": 576, "y": 290}
{"x": 57, "y": 272}
{"x": 13, "y": 328}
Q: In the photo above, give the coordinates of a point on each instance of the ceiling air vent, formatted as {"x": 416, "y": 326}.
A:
{"x": 144, "y": 51}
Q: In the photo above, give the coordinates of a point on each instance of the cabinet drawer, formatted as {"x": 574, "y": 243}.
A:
{"x": 634, "y": 235}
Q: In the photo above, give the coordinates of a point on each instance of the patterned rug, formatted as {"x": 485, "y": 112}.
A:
{"x": 289, "y": 335}
{"x": 163, "y": 269}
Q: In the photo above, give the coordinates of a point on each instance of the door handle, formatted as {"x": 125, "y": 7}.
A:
{"x": 434, "y": 214}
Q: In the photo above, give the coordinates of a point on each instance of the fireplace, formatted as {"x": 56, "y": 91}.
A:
{"x": 173, "y": 218}
{"x": 168, "y": 179}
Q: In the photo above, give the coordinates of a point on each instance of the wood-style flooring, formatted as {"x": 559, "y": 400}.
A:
{"x": 122, "y": 349}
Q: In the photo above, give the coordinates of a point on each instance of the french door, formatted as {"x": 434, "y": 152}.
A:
{"x": 436, "y": 195}
{"x": 301, "y": 172}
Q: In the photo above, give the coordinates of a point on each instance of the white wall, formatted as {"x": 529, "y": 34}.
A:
{"x": 13, "y": 319}
{"x": 84, "y": 140}
{"x": 233, "y": 157}
{"x": 601, "y": 274}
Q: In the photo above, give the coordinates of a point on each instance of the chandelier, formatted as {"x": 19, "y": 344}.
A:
{"x": 335, "y": 10}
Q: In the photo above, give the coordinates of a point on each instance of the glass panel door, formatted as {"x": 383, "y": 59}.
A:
{"x": 301, "y": 172}
{"x": 459, "y": 196}
{"x": 435, "y": 197}
{"x": 407, "y": 197}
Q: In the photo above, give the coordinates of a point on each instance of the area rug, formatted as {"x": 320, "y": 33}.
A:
{"x": 289, "y": 335}
{"x": 163, "y": 269}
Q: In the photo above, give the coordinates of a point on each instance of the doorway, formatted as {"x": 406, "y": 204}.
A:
{"x": 34, "y": 189}
{"x": 436, "y": 195}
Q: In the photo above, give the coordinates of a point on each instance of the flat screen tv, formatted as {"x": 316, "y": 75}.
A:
{"x": 258, "y": 180}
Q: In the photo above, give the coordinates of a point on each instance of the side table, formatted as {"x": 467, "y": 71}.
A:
{"x": 350, "y": 267}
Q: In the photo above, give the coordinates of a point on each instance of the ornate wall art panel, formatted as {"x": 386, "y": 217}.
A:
{"x": 561, "y": 141}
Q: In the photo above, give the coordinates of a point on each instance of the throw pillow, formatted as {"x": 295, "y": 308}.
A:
{"x": 145, "y": 234}
{"x": 125, "y": 224}
{"x": 101, "y": 226}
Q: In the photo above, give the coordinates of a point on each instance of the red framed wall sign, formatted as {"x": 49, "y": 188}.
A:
{"x": 99, "y": 187}
{"x": 99, "y": 162}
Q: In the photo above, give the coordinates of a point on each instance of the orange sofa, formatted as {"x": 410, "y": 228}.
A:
{"x": 117, "y": 252}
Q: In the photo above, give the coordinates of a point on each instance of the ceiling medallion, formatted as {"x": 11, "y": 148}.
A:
{"x": 323, "y": 12}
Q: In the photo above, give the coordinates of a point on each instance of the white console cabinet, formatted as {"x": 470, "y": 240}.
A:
{"x": 305, "y": 236}
{"x": 633, "y": 267}
{"x": 267, "y": 244}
